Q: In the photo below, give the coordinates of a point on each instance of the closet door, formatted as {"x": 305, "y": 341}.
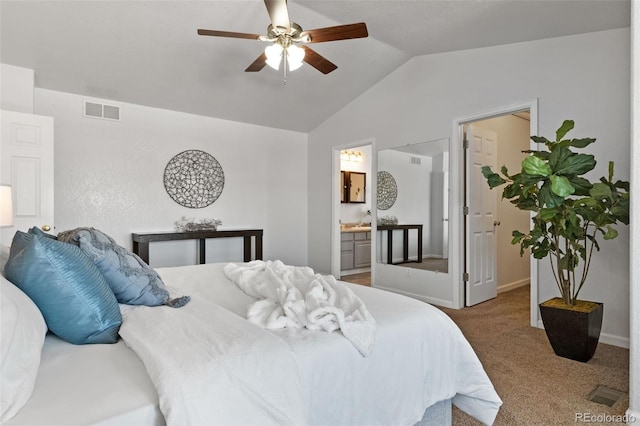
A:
{"x": 26, "y": 163}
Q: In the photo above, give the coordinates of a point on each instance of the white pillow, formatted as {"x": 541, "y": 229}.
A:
{"x": 22, "y": 332}
{"x": 4, "y": 256}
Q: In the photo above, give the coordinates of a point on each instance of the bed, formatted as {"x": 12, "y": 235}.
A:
{"x": 205, "y": 363}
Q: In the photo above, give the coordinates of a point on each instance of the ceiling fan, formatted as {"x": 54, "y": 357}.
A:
{"x": 285, "y": 37}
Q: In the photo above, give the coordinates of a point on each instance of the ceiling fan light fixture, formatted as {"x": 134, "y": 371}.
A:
{"x": 283, "y": 35}
{"x": 295, "y": 57}
{"x": 273, "y": 53}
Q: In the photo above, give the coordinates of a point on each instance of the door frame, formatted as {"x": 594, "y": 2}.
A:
{"x": 336, "y": 197}
{"x": 458, "y": 161}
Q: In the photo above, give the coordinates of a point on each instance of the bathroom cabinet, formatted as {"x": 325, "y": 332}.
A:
{"x": 355, "y": 250}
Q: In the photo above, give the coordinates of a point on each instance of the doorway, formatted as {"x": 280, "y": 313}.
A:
{"x": 352, "y": 203}
{"x": 509, "y": 131}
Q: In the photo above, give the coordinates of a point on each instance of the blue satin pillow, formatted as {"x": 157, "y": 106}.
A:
{"x": 132, "y": 281}
{"x": 69, "y": 290}
{"x": 37, "y": 231}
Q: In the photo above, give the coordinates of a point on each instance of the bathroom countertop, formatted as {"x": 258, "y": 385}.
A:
{"x": 355, "y": 228}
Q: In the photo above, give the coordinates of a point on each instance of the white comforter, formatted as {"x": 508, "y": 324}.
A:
{"x": 296, "y": 297}
{"x": 212, "y": 366}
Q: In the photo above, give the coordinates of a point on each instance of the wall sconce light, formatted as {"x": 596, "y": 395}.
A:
{"x": 354, "y": 156}
{"x": 6, "y": 206}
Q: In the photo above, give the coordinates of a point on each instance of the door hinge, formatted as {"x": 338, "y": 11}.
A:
{"x": 465, "y": 210}
{"x": 465, "y": 277}
{"x": 465, "y": 144}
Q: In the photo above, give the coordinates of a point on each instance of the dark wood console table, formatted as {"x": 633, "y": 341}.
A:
{"x": 141, "y": 241}
{"x": 405, "y": 241}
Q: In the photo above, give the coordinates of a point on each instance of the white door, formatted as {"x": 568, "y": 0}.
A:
{"x": 26, "y": 163}
{"x": 481, "y": 220}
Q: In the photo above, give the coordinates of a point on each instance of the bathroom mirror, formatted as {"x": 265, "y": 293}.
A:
{"x": 413, "y": 213}
{"x": 353, "y": 187}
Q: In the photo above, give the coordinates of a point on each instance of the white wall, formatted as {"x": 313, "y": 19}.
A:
{"x": 109, "y": 175}
{"x": 16, "y": 88}
{"x": 513, "y": 138}
{"x": 583, "y": 77}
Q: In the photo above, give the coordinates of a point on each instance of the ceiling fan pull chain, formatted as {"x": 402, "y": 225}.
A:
{"x": 284, "y": 68}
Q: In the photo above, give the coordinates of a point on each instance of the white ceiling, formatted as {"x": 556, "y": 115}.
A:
{"x": 148, "y": 52}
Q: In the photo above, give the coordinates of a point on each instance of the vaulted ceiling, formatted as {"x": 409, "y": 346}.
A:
{"x": 148, "y": 52}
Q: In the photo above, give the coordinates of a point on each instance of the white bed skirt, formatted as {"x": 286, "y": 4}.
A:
{"x": 439, "y": 414}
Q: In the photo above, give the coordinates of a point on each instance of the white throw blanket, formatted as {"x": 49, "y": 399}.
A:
{"x": 296, "y": 297}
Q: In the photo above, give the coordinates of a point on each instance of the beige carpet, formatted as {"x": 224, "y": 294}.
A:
{"x": 536, "y": 386}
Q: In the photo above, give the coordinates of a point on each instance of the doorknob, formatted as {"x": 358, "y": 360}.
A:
{"x": 496, "y": 223}
{"x": 45, "y": 228}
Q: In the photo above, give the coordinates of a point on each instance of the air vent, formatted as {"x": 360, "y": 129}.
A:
{"x": 606, "y": 396}
{"x": 415, "y": 160}
{"x": 106, "y": 112}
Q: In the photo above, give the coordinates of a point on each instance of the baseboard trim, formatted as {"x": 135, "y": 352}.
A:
{"x": 612, "y": 339}
{"x": 513, "y": 285}
{"x": 606, "y": 338}
{"x": 346, "y": 272}
{"x": 430, "y": 300}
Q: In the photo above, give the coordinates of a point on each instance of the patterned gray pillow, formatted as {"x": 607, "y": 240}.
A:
{"x": 132, "y": 281}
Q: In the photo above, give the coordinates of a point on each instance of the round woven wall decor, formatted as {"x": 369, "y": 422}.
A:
{"x": 387, "y": 190}
{"x": 194, "y": 179}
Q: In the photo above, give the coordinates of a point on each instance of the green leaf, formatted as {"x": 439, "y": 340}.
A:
{"x": 547, "y": 198}
{"x": 547, "y": 214}
{"x": 580, "y": 164}
{"x": 559, "y": 159}
{"x": 533, "y": 165}
{"x": 567, "y": 163}
{"x": 517, "y": 237}
{"x": 600, "y": 191}
{"x": 567, "y": 125}
{"x": 561, "y": 186}
{"x": 581, "y": 185}
{"x": 528, "y": 180}
{"x": 540, "y": 139}
{"x": 540, "y": 252}
{"x": 620, "y": 184}
{"x": 525, "y": 203}
{"x": 581, "y": 143}
{"x": 493, "y": 179}
{"x": 610, "y": 234}
{"x": 621, "y": 213}
{"x": 511, "y": 190}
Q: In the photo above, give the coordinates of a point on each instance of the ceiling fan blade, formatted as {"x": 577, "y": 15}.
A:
{"x": 231, "y": 34}
{"x": 339, "y": 32}
{"x": 258, "y": 64}
{"x": 278, "y": 13}
{"x": 318, "y": 61}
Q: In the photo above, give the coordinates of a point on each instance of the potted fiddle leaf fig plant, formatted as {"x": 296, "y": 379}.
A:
{"x": 571, "y": 215}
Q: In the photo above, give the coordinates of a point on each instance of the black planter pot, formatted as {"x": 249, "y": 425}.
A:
{"x": 573, "y": 333}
